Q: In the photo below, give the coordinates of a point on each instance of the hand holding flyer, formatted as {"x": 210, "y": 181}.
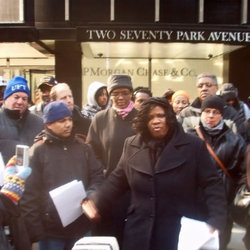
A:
{"x": 67, "y": 199}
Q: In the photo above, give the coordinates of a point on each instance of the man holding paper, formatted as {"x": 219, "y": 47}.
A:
{"x": 57, "y": 158}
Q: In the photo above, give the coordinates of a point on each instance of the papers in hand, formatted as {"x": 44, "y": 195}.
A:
{"x": 67, "y": 200}
{"x": 195, "y": 235}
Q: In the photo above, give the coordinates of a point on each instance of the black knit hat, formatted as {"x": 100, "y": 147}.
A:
{"x": 228, "y": 91}
{"x": 213, "y": 102}
{"x": 119, "y": 81}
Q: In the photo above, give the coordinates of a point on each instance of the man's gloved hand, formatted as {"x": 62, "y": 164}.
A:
{"x": 14, "y": 181}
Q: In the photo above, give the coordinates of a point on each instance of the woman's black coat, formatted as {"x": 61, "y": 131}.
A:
{"x": 160, "y": 196}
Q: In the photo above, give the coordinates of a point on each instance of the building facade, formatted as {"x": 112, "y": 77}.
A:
{"x": 160, "y": 43}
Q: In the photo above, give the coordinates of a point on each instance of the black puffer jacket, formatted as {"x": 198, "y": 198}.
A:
{"x": 55, "y": 162}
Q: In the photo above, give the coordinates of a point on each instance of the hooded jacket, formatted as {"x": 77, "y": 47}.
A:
{"x": 92, "y": 107}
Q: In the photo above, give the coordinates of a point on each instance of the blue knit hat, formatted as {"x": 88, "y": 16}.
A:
{"x": 16, "y": 84}
{"x": 55, "y": 111}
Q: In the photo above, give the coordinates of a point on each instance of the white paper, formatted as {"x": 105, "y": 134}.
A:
{"x": 195, "y": 235}
{"x": 2, "y": 167}
{"x": 67, "y": 199}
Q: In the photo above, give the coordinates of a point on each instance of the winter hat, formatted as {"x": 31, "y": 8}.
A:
{"x": 180, "y": 92}
{"x": 213, "y": 102}
{"x": 228, "y": 91}
{"x": 3, "y": 82}
{"x": 92, "y": 90}
{"x": 16, "y": 84}
{"x": 119, "y": 81}
{"x": 55, "y": 111}
{"x": 48, "y": 80}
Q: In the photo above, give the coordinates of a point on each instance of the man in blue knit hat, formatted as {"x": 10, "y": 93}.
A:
{"x": 17, "y": 124}
{"x": 57, "y": 157}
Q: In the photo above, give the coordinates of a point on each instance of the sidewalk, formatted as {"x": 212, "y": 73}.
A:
{"x": 236, "y": 242}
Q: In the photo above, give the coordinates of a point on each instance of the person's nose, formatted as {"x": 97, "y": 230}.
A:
{"x": 68, "y": 99}
{"x": 181, "y": 105}
{"x": 155, "y": 120}
{"x": 20, "y": 101}
{"x": 68, "y": 124}
{"x": 120, "y": 96}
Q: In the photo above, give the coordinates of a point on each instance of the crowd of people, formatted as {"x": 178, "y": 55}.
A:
{"x": 145, "y": 161}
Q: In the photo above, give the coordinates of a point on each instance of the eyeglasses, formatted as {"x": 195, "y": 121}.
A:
{"x": 207, "y": 84}
{"x": 212, "y": 112}
{"x": 117, "y": 94}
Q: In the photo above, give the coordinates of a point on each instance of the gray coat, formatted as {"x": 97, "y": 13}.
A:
{"x": 160, "y": 196}
{"x": 107, "y": 134}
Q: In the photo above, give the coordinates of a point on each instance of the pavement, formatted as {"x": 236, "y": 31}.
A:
{"x": 236, "y": 242}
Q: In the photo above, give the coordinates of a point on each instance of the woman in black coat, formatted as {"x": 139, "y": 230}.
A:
{"x": 163, "y": 168}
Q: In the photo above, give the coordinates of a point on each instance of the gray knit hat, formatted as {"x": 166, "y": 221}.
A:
{"x": 119, "y": 81}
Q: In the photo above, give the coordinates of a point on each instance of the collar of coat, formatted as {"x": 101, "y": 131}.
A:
{"x": 196, "y": 103}
{"x": 48, "y": 136}
{"x": 170, "y": 158}
{"x": 15, "y": 114}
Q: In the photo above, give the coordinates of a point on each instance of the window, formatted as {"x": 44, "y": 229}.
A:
{"x": 12, "y": 11}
